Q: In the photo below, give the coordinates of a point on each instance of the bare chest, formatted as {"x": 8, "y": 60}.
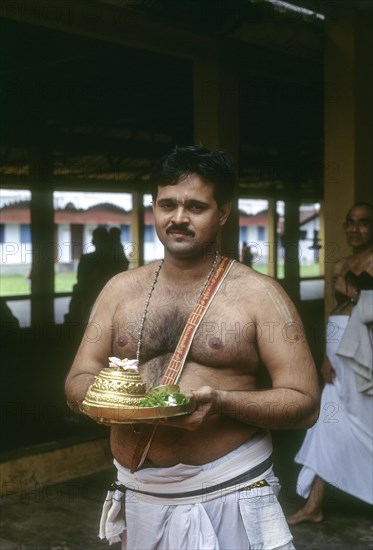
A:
{"x": 225, "y": 338}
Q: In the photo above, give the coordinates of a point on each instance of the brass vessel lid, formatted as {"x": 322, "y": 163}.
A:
{"x": 119, "y": 385}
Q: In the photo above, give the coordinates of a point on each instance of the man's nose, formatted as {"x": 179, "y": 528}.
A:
{"x": 180, "y": 215}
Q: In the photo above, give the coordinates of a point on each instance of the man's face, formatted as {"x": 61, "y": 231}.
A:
{"x": 187, "y": 217}
{"x": 358, "y": 227}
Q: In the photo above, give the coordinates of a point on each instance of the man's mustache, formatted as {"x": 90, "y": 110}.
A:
{"x": 182, "y": 228}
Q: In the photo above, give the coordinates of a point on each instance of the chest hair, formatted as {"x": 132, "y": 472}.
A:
{"x": 162, "y": 331}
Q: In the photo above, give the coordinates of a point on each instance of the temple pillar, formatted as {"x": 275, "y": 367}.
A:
{"x": 216, "y": 123}
{"x": 348, "y": 172}
{"x": 44, "y": 249}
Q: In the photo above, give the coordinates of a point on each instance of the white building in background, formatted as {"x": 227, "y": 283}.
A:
{"x": 77, "y": 214}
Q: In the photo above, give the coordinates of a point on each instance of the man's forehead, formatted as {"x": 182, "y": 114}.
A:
{"x": 191, "y": 187}
{"x": 360, "y": 213}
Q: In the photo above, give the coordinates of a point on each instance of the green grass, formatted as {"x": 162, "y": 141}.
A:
{"x": 306, "y": 271}
{"x": 64, "y": 282}
{"x": 15, "y": 285}
{"x": 312, "y": 270}
{"x": 12, "y": 285}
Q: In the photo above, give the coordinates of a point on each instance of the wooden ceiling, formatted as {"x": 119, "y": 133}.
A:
{"x": 104, "y": 88}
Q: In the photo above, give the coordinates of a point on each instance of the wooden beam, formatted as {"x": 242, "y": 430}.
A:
{"x": 113, "y": 24}
{"x": 44, "y": 250}
{"x": 90, "y": 144}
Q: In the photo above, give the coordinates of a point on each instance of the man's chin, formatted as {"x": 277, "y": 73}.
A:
{"x": 354, "y": 242}
{"x": 181, "y": 249}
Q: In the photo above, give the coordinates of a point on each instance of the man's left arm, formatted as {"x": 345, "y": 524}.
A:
{"x": 293, "y": 400}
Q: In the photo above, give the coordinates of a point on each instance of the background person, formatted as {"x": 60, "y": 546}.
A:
{"x": 246, "y": 254}
{"x": 225, "y": 443}
{"x": 338, "y": 449}
{"x": 94, "y": 270}
{"x": 119, "y": 261}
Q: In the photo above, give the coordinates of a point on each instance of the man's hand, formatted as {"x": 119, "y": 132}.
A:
{"x": 206, "y": 400}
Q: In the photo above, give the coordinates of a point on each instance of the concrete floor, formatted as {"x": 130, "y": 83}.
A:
{"x": 65, "y": 517}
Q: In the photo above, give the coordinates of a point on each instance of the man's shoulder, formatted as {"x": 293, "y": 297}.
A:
{"x": 248, "y": 279}
{"x": 134, "y": 276}
{"x": 342, "y": 265}
{"x": 126, "y": 285}
{"x": 249, "y": 274}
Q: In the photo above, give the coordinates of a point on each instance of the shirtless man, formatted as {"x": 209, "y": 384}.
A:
{"x": 326, "y": 442}
{"x": 224, "y": 444}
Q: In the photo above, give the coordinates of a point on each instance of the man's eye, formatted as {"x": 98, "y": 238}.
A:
{"x": 196, "y": 208}
{"x": 357, "y": 223}
{"x": 166, "y": 205}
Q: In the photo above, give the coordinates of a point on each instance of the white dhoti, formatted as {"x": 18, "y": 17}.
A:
{"x": 209, "y": 507}
{"x": 339, "y": 447}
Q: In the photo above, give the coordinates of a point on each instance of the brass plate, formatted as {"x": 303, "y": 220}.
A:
{"x": 121, "y": 415}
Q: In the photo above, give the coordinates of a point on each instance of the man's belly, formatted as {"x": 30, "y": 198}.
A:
{"x": 171, "y": 446}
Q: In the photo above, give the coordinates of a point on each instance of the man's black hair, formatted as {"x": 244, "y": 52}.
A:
{"x": 213, "y": 167}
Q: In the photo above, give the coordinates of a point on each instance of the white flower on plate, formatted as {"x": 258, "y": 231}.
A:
{"x": 171, "y": 401}
{"x": 125, "y": 364}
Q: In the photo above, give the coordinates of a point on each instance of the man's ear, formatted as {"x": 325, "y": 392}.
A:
{"x": 224, "y": 212}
